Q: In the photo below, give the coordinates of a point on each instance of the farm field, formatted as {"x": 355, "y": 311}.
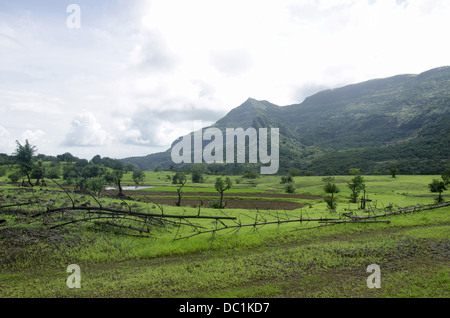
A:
{"x": 265, "y": 243}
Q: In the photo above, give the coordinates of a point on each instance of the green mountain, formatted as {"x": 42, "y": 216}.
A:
{"x": 402, "y": 120}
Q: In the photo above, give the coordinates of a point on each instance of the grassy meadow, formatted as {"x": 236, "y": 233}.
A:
{"x": 292, "y": 259}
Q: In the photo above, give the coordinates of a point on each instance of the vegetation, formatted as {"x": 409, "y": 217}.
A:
{"x": 294, "y": 238}
{"x": 24, "y": 158}
{"x": 331, "y": 188}
{"x": 138, "y": 176}
{"x": 399, "y": 121}
{"x": 287, "y": 179}
{"x": 355, "y": 186}
{"x": 279, "y": 260}
{"x": 221, "y": 186}
{"x": 438, "y": 186}
{"x": 289, "y": 187}
{"x": 393, "y": 170}
{"x": 197, "y": 174}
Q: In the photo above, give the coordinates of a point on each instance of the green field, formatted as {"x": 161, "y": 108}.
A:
{"x": 291, "y": 259}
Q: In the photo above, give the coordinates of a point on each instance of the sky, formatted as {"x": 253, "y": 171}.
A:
{"x": 123, "y": 78}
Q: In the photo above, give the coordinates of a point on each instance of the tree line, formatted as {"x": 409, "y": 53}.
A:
{"x": 95, "y": 174}
{"x": 84, "y": 175}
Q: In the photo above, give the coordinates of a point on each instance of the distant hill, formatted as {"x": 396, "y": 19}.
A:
{"x": 402, "y": 120}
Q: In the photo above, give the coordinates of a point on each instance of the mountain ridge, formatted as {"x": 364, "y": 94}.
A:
{"x": 367, "y": 125}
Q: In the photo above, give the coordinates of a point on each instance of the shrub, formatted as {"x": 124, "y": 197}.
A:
{"x": 2, "y": 171}
{"x": 289, "y": 187}
{"x": 287, "y": 179}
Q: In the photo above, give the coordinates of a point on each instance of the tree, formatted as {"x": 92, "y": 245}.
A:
{"x": 287, "y": 179}
{"x": 179, "y": 178}
{"x": 66, "y": 157}
{"x": 221, "y": 186}
{"x": 96, "y": 184}
{"x": 294, "y": 172}
{"x": 38, "y": 172}
{"x": 15, "y": 176}
{"x": 393, "y": 170}
{"x": 355, "y": 186}
{"x": 331, "y": 188}
{"x": 116, "y": 176}
{"x": 354, "y": 171}
{"x": 138, "y": 176}
{"x": 289, "y": 187}
{"x": 197, "y": 175}
{"x": 446, "y": 176}
{"x": 96, "y": 160}
{"x": 250, "y": 174}
{"x": 24, "y": 158}
{"x": 2, "y": 171}
{"x": 438, "y": 186}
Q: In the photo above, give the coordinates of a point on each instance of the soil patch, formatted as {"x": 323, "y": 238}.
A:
{"x": 233, "y": 200}
{"x": 213, "y": 194}
{"x": 234, "y": 204}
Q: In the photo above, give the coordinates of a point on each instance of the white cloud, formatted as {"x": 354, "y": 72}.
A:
{"x": 86, "y": 131}
{"x": 33, "y": 136}
{"x": 148, "y": 69}
{"x": 6, "y": 142}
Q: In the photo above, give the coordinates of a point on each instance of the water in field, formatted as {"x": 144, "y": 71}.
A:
{"x": 130, "y": 188}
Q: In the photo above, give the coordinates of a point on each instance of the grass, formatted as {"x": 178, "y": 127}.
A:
{"x": 268, "y": 261}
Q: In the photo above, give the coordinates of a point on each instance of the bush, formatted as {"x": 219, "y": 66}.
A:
{"x": 96, "y": 184}
{"x": 179, "y": 178}
{"x": 197, "y": 176}
{"x": 2, "y": 171}
{"x": 287, "y": 179}
{"x": 53, "y": 173}
{"x": 15, "y": 176}
{"x": 331, "y": 203}
{"x": 216, "y": 204}
{"x": 290, "y": 187}
{"x": 250, "y": 174}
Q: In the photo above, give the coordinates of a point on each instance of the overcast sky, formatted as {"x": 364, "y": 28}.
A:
{"x": 136, "y": 74}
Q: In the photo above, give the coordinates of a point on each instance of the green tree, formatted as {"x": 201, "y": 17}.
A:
{"x": 355, "y": 186}
{"x": 97, "y": 160}
{"x": 197, "y": 174}
{"x": 289, "y": 187}
{"x": 294, "y": 172}
{"x": 446, "y": 176}
{"x": 38, "y": 172}
{"x": 116, "y": 176}
{"x": 437, "y": 186}
{"x": 24, "y": 158}
{"x": 287, "y": 179}
{"x": 221, "y": 186}
{"x": 179, "y": 178}
{"x": 331, "y": 200}
{"x": 15, "y": 176}
{"x": 250, "y": 174}
{"x": 393, "y": 170}
{"x": 2, "y": 171}
{"x": 138, "y": 176}
{"x": 354, "y": 171}
{"x": 96, "y": 184}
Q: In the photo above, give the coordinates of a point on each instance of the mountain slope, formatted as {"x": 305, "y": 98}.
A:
{"x": 402, "y": 120}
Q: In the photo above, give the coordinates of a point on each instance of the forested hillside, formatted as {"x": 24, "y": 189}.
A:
{"x": 402, "y": 120}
